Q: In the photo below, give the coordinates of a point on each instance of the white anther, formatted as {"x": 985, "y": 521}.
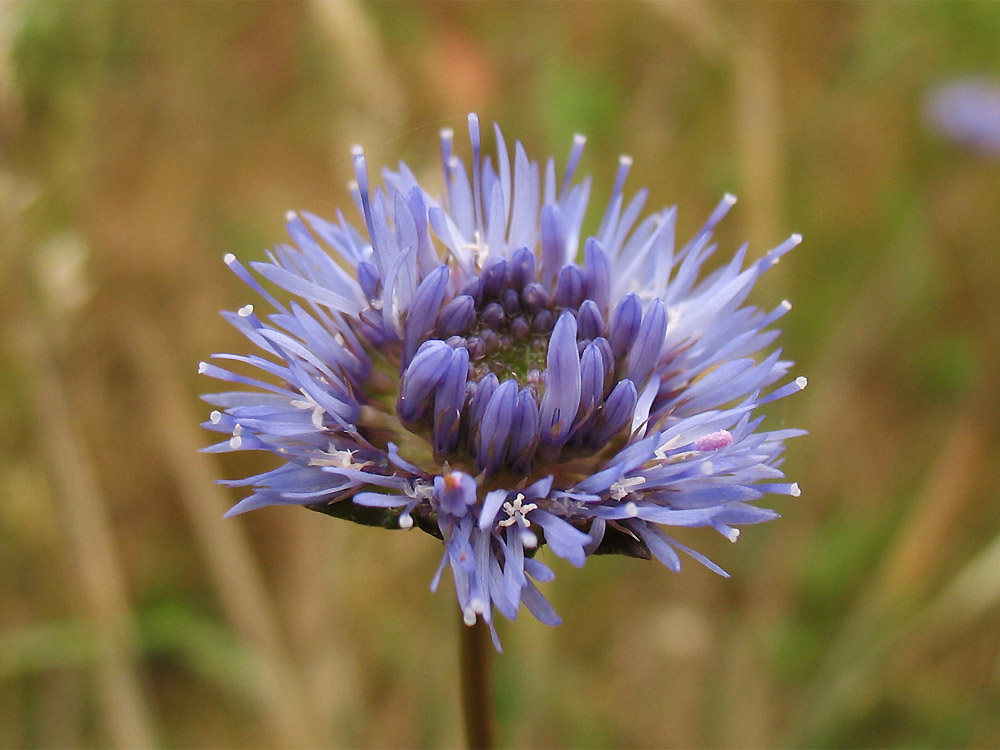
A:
{"x": 339, "y": 459}
{"x": 477, "y": 246}
{"x": 202, "y": 366}
{"x": 235, "y": 442}
{"x": 290, "y": 216}
{"x": 785, "y": 305}
{"x": 406, "y": 521}
{"x": 631, "y": 509}
{"x": 229, "y": 259}
{"x": 245, "y": 312}
{"x": 517, "y": 512}
{"x": 310, "y": 403}
{"x": 418, "y": 491}
{"x": 623, "y": 486}
{"x": 795, "y": 490}
{"x": 469, "y": 616}
{"x": 730, "y": 199}
{"x": 215, "y": 416}
{"x": 801, "y": 381}
{"x": 625, "y": 160}
{"x": 357, "y": 150}
{"x": 528, "y": 539}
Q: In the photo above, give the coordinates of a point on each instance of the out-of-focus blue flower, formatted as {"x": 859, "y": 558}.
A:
{"x": 460, "y": 365}
{"x": 967, "y": 111}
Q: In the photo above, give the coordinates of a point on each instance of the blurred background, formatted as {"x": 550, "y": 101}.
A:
{"x": 139, "y": 142}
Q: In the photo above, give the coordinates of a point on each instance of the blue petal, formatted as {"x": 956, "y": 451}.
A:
{"x": 625, "y": 322}
{"x": 422, "y": 313}
{"x": 449, "y": 400}
{"x": 553, "y": 230}
{"x": 494, "y": 430}
{"x": 456, "y": 317}
{"x": 590, "y": 322}
{"x": 421, "y": 378}
{"x": 645, "y": 352}
{"x": 524, "y": 431}
{"x": 569, "y": 286}
{"x": 565, "y": 540}
{"x": 522, "y": 267}
{"x": 617, "y": 412}
{"x": 562, "y": 383}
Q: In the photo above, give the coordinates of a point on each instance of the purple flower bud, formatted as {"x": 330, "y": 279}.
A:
{"x": 553, "y": 243}
{"x": 511, "y": 302}
{"x": 596, "y": 274}
{"x": 617, "y": 412}
{"x": 495, "y": 427}
{"x": 494, "y": 277}
{"x": 625, "y": 322}
{"x": 569, "y": 286}
{"x": 562, "y": 383}
{"x": 534, "y": 297}
{"x": 490, "y": 339}
{"x": 456, "y": 317}
{"x": 476, "y": 347}
{"x": 448, "y": 402}
{"x": 589, "y": 320}
{"x": 524, "y": 431}
{"x": 477, "y": 406}
{"x": 474, "y": 288}
{"x": 591, "y": 381}
{"x": 424, "y": 306}
{"x": 608, "y": 358}
{"x": 520, "y": 328}
{"x": 420, "y": 378}
{"x": 493, "y": 315}
{"x": 522, "y": 268}
{"x": 543, "y": 321}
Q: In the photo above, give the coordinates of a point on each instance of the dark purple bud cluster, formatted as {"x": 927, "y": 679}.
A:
{"x": 521, "y": 367}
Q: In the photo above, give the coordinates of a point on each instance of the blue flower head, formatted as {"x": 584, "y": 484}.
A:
{"x": 459, "y": 364}
{"x": 967, "y": 111}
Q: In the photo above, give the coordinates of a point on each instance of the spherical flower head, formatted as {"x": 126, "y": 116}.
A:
{"x": 470, "y": 364}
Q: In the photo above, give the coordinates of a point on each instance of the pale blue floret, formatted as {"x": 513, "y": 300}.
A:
{"x": 470, "y": 321}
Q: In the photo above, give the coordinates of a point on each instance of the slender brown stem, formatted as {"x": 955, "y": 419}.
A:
{"x": 476, "y": 654}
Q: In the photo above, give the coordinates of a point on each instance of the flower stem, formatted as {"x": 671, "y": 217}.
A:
{"x": 477, "y": 685}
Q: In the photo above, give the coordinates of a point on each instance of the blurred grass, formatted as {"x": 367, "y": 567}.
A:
{"x": 140, "y": 142}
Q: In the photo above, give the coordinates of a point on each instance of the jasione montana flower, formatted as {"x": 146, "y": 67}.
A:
{"x": 460, "y": 365}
